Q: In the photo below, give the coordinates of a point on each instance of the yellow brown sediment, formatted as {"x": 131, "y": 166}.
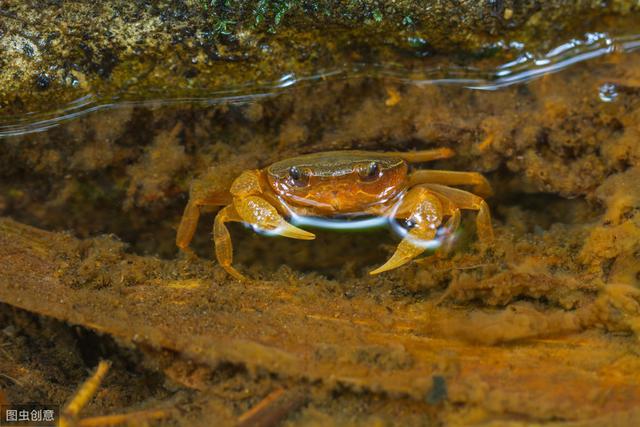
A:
{"x": 541, "y": 326}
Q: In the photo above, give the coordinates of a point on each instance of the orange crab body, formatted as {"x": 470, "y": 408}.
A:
{"x": 343, "y": 182}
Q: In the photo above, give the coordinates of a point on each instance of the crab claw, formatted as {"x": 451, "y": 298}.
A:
{"x": 262, "y": 215}
{"x": 287, "y": 230}
{"x": 405, "y": 252}
{"x": 425, "y": 210}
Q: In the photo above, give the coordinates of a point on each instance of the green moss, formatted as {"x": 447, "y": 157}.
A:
{"x": 377, "y": 16}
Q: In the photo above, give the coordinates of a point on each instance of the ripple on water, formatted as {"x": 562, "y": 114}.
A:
{"x": 525, "y": 67}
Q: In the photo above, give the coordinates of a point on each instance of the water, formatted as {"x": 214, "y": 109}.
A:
{"x": 106, "y": 179}
{"x": 525, "y": 67}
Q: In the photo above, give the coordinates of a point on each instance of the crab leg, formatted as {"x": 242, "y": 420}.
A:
{"x": 191, "y": 214}
{"x": 425, "y": 211}
{"x": 454, "y": 220}
{"x": 465, "y": 200}
{"x": 187, "y": 226}
{"x": 480, "y": 184}
{"x": 422, "y": 156}
{"x": 222, "y": 240}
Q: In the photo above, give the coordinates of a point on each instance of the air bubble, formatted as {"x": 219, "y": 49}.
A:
{"x": 608, "y": 92}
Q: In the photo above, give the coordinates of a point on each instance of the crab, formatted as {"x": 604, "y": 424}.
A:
{"x": 344, "y": 185}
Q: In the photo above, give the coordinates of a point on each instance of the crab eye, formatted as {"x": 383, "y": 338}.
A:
{"x": 370, "y": 172}
{"x": 298, "y": 177}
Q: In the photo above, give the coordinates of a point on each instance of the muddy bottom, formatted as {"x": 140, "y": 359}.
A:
{"x": 539, "y": 326}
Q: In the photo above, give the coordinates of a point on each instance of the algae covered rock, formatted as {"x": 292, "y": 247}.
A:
{"x": 72, "y": 55}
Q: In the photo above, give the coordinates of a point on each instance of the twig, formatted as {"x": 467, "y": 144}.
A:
{"x": 84, "y": 394}
{"x": 112, "y": 420}
{"x": 11, "y": 378}
{"x": 273, "y": 408}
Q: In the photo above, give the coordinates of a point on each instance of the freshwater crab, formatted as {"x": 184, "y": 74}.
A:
{"x": 346, "y": 185}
